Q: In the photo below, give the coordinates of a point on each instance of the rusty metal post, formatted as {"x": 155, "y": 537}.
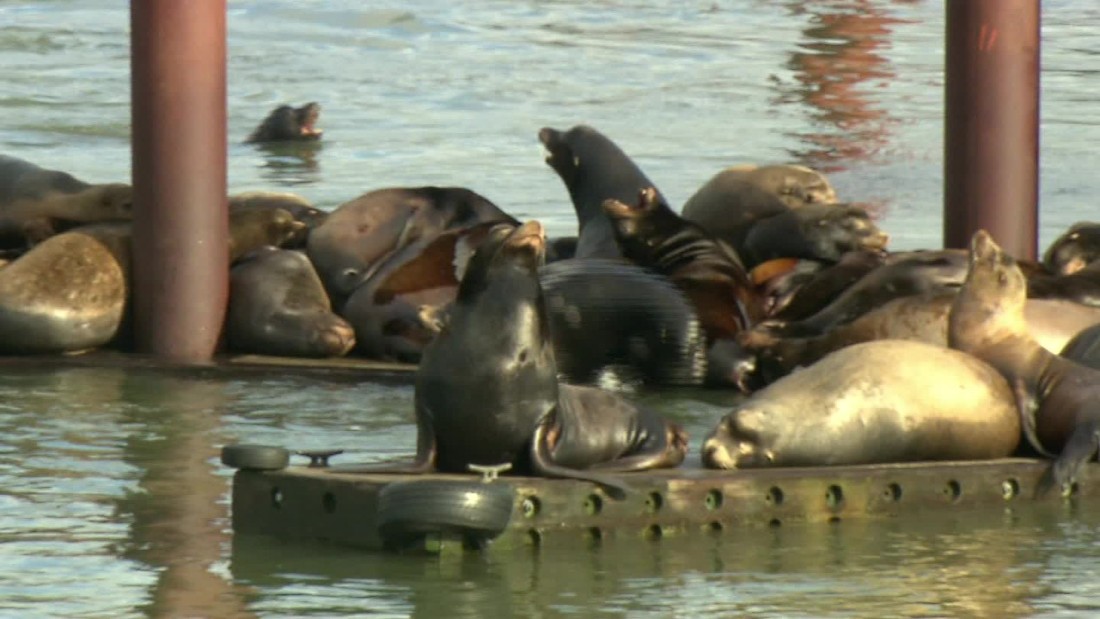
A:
{"x": 181, "y": 255}
{"x": 991, "y": 128}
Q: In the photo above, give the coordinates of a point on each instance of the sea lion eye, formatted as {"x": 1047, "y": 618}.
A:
{"x": 1002, "y": 278}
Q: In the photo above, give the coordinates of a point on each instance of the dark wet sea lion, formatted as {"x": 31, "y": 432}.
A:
{"x": 1074, "y": 249}
{"x": 593, "y": 169}
{"x": 1081, "y": 286}
{"x": 650, "y": 234}
{"x": 814, "y": 231}
{"x": 278, "y": 306}
{"x": 902, "y": 274}
{"x": 487, "y": 390}
{"x": 35, "y": 202}
{"x": 301, "y": 208}
{"x": 361, "y": 235}
{"x": 561, "y": 248}
{"x": 1084, "y": 348}
{"x": 613, "y": 319}
{"x": 387, "y": 309}
{"x": 883, "y": 401}
{"x": 67, "y": 294}
{"x": 286, "y": 123}
{"x": 805, "y": 295}
{"x": 1058, "y": 399}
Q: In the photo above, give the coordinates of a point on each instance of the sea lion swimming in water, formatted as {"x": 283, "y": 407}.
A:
{"x": 288, "y": 124}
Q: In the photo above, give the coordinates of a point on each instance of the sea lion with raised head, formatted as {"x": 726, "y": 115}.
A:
{"x": 593, "y": 169}
{"x": 487, "y": 390}
{"x": 1058, "y": 399}
{"x": 288, "y": 124}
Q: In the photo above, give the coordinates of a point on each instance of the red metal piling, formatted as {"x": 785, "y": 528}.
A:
{"x": 181, "y": 230}
{"x": 991, "y": 128}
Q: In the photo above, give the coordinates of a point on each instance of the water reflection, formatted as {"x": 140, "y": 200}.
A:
{"x": 178, "y": 512}
{"x": 838, "y": 66}
{"x": 290, "y": 163}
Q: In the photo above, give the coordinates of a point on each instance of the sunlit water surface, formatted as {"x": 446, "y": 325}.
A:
{"x": 112, "y": 501}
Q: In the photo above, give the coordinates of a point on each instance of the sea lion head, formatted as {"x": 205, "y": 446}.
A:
{"x": 1074, "y": 249}
{"x": 286, "y": 123}
{"x": 559, "y": 154}
{"x": 506, "y": 249}
{"x": 834, "y": 229}
{"x": 116, "y": 201}
{"x": 739, "y": 440}
{"x": 992, "y": 298}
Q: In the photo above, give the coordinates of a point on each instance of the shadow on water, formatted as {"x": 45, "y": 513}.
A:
{"x": 290, "y": 163}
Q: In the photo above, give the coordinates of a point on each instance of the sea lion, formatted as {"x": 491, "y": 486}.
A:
{"x": 67, "y": 294}
{"x": 805, "y": 290}
{"x": 593, "y": 169}
{"x": 487, "y": 390}
{"x": 387, "y": 309}
{"x": 922, "y": 317}
{"x": 278, "y": 306}
{"x": 286, "y": 123}
{"x": 253, "y": 228}
{"x": 1081, "y": 286}
{"x": 901, "y": 275}
{"x": 796, "y": 185}
{"x": 728, "y": 205}
{"x": 1084, "y": 348}
{"x": 361, "y": 235}
{"x": 860, "y": 405}
{"x": 1073, "y": 249}
{"x": 1058, "y": 399}
{"x": 650, "y": 234}
{"x": 301, "y": 208}
{"x": 814, "y": 231}
{"x": 613, "y": 320}
{"x": 36, "y": 202}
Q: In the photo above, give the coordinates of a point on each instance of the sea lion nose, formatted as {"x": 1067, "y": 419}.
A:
{"x": 716, "y": 455}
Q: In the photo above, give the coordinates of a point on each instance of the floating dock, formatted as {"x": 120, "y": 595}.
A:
{"x": 338, "y": 505}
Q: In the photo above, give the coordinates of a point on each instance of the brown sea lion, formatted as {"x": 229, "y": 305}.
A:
{"x": 1081, "y": 286}
{"x": 278, "y": 306}
{"x": 35, "y": 202}
{"x": 487, "y": 390}
{"x": 593, "y": 169}
{"x": 251, "y": 229}
{"x": 1059, "y": 400}
{"x": 386, "y": 309}
{"x": 286, "y": 123}
{"x": 67, "y": 294}
{"x": 805, "y": 292}
{"x": 650, "y": 234}
{"x": 728, "y": 205}
{"x": 1074, "y": 249}
{"x": 301, "y": 208}
{"x": 361, "y": 235}
{"x": 863, "y": 405}
{"x": 1084, "y": 348}
{"x": 796, "y": 185}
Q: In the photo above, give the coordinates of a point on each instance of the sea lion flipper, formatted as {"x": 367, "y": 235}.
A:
{"x": 666, "y": 449}
{"x": 1080, "y": 448}
{"x": 542, "y": 463}
{"x": 1025, "y": 404}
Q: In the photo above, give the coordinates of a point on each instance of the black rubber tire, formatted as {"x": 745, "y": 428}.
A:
{"x": 255, "y": 457}
{"x": 411, "y": 509}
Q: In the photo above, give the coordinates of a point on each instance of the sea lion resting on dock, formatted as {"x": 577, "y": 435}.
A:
{"x": 1058, "y": 399}
{"x": 487, "y": 390}
{"x": 35, "y": 202}
{"x": 877, "y": 402}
